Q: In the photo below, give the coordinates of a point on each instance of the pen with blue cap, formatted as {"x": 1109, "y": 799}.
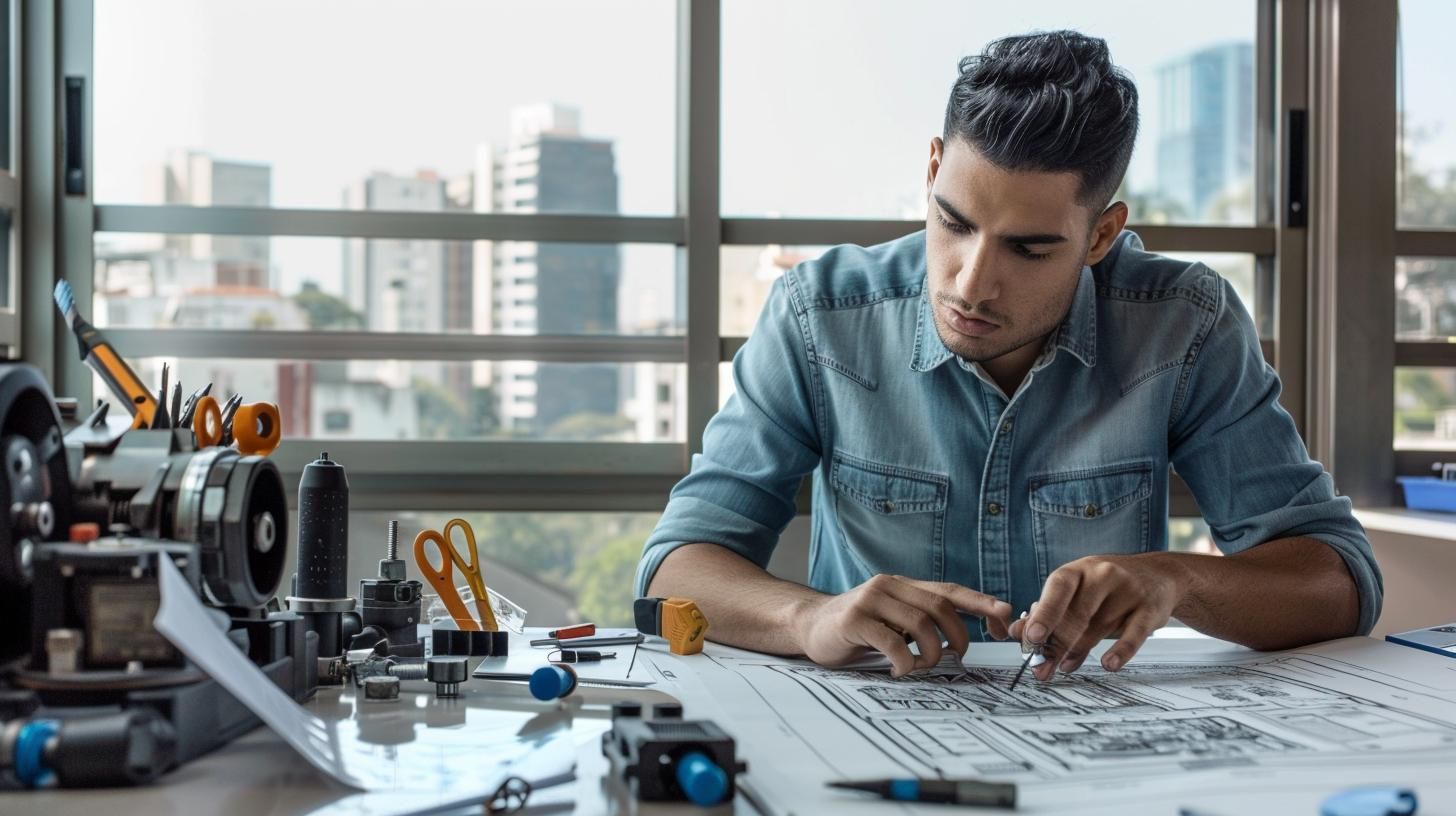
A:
{"x": 946, "y": 791}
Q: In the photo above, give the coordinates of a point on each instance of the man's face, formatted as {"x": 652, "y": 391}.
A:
{"x": 1004, "y": 251}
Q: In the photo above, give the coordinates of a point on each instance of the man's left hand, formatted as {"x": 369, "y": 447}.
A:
{"x": 1100, "y": 596}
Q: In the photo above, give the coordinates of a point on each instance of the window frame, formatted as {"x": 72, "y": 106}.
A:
{"x": 620, "y": 476}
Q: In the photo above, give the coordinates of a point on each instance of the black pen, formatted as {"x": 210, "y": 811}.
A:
{"x": 948, "y": 791}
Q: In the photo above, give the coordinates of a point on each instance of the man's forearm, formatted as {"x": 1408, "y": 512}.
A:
{"x": 1281, "y": 594}
{"x": 745, "y": 606}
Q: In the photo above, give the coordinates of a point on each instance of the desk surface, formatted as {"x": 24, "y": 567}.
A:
{"x": 259, "y": 774}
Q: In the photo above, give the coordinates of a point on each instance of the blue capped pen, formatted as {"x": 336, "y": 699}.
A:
{"x": 946, "y": 791}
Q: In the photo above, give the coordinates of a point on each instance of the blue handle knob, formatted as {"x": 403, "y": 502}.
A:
{"x": 552, "y": 682}
{"x": 704, "y": 783}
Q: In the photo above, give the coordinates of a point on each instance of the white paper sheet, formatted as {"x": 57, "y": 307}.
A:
{"x": 462, "y": 756}
{"x": 523, "y": 659}
{"x": 1186, "y": 723}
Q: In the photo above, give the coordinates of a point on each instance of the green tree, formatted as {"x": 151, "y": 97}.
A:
{"x": 603, "y": 582}
{"x": 587, "y": 425}
{"x": 441, "y": 414}
{"x": 326, "y": 311}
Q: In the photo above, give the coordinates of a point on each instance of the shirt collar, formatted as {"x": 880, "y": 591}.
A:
{"x": 1077, "y": 333}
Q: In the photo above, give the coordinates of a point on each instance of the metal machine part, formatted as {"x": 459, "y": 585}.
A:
{"x": 381, "y": 687}
{"x": 447, "y": 673}
{"x": 667, "y": 758}
{"x": 321, "y": 583}
{"x": 390, "y": 605}
{"x": 78, "y": 644}
{"x": 129, "y": 748}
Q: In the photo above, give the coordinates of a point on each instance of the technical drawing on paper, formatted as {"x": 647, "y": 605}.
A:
{"x": 1284, "y": 711}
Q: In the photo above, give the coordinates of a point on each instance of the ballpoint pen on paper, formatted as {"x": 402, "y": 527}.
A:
{"x": 1034, "y": 657}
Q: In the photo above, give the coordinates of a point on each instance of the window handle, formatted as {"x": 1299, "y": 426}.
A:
{"x": 75, "y": 131}
{"x": 1296, "y": 194}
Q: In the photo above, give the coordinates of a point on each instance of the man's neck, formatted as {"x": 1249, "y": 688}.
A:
{"x": 1010, "y": 369}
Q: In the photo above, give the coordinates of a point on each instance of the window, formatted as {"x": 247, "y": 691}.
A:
{"x": 1426, "y": 116}
{"x": 398, "y": 268}
{"x": 481, "y": 90}
{"x": 1424, "y": 428}
{"x": 805, "y": 135}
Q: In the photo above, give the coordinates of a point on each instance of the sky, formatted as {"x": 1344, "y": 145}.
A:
{"x": 828, "y": 106}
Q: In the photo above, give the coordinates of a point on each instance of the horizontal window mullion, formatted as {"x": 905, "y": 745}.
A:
{"x": 729, "y": 346}
{"x": 1428, "y": 354}
{"x": 1257, "y": 240}
{"x": 1426, "y": 243}
{"x": 440, "y": 226}
{"x": 9, "y": 192}
{"x": 351, "y": 345}
{"x": 376, "y": 462}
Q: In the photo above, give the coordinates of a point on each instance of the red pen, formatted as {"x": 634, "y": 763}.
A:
{"x": 573, "y": 631}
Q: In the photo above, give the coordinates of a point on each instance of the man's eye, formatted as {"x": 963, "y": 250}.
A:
{"x": 1028, "y": 254}
{"x": 951, "y": 225}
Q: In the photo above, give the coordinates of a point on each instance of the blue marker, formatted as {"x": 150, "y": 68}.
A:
{"x": 1371, "y": 801}
{"x": 948, "y": 791}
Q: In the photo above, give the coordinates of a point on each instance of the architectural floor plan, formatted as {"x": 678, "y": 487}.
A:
{"x": 1188, "y": 719}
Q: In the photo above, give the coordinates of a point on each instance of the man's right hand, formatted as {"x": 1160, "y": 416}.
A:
{"x": 883, "y": 612}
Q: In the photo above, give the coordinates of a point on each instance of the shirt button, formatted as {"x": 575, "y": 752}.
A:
{"x": 888, "y": 506}
{"x": 1006, "y": 427}
{"x": 1090, "y": 510}
{"x": 994, "y": 509}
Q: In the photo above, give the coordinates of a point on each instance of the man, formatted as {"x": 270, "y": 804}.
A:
{"x": 990, "y": 407}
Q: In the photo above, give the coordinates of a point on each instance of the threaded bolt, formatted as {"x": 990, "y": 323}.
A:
{"x": 393, "y": 540}
{"x": 408, "y": 671}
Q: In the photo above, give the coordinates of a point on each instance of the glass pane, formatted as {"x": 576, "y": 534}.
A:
{"x": 1190, "y": 535}
{"x": 809, "y": 136}
{"x": 1425, "y": 298}
{"x": 748, "y": 272}
{"x": 562, "y": 567}
{"x": 1426, "y": 115}
{"x": 429, "y": 399}
{"x": 484, "y": 287}
{"x": 536, "y": 106}
{"x": 1425, "y": 408}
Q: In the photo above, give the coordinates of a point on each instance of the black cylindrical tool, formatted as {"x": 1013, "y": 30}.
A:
{"x": 321, "y": 586}
{"x": 389, "y": 606}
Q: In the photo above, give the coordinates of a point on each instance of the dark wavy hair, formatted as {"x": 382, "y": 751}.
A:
{"x": 1048, "y": 102}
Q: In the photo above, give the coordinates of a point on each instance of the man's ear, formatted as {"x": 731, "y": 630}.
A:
{"x": 937, "y": 151}
{"x": 1104, "y": 233}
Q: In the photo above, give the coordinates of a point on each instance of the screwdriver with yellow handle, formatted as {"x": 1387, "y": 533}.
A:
{"x": 101, "y": 356}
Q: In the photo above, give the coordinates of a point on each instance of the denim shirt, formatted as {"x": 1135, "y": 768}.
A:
{"x": 924, "y": 468}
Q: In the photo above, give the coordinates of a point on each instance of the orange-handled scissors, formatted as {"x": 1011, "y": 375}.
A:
{"x": 443, "y": 579}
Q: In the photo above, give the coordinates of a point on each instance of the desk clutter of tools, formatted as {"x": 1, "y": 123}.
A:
{"x": 140, "y": 569}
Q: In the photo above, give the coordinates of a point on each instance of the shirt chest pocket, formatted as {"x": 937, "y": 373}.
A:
{"x": 892, "y": 518}
{"x": 1090, "y": 511}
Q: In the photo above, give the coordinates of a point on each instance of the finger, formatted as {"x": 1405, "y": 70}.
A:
{"x": 1076, "y": 625}
{"x": 918, "y": 624}
{"x": 964, "y": 598}
{"x": 879, "y": 637}
{"x": 1076, "y": 653}
{"x": 1056, "y": 596}
{"x": 940, "y": 608}
{"x": 1135, "y": 632}
{"x": 1018, "y": 628}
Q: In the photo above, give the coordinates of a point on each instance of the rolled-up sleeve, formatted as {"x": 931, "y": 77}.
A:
{"x": 740, "y": 491}
{"x": 1240, "y": 453}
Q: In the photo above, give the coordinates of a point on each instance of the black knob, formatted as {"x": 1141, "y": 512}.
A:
{"x": 447, "y": 673}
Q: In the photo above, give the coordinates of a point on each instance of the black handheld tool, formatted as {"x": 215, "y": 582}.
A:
{"x": 667, "y": 758}
{"x": 389, "y": 606}
{"x": 321, "y": 585}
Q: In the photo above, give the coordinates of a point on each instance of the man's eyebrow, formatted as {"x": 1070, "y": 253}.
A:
{"x": 1037, "y": 238}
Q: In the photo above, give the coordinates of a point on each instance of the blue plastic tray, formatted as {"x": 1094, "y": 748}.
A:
{"x": 1428, "y": 493}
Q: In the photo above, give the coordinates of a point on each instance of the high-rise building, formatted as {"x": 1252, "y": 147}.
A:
{"x": 197, "y": 179}
{"x": 525, "y": 287}
{"x": 396, "y": 284}
{"x": 1205, "y": 128}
